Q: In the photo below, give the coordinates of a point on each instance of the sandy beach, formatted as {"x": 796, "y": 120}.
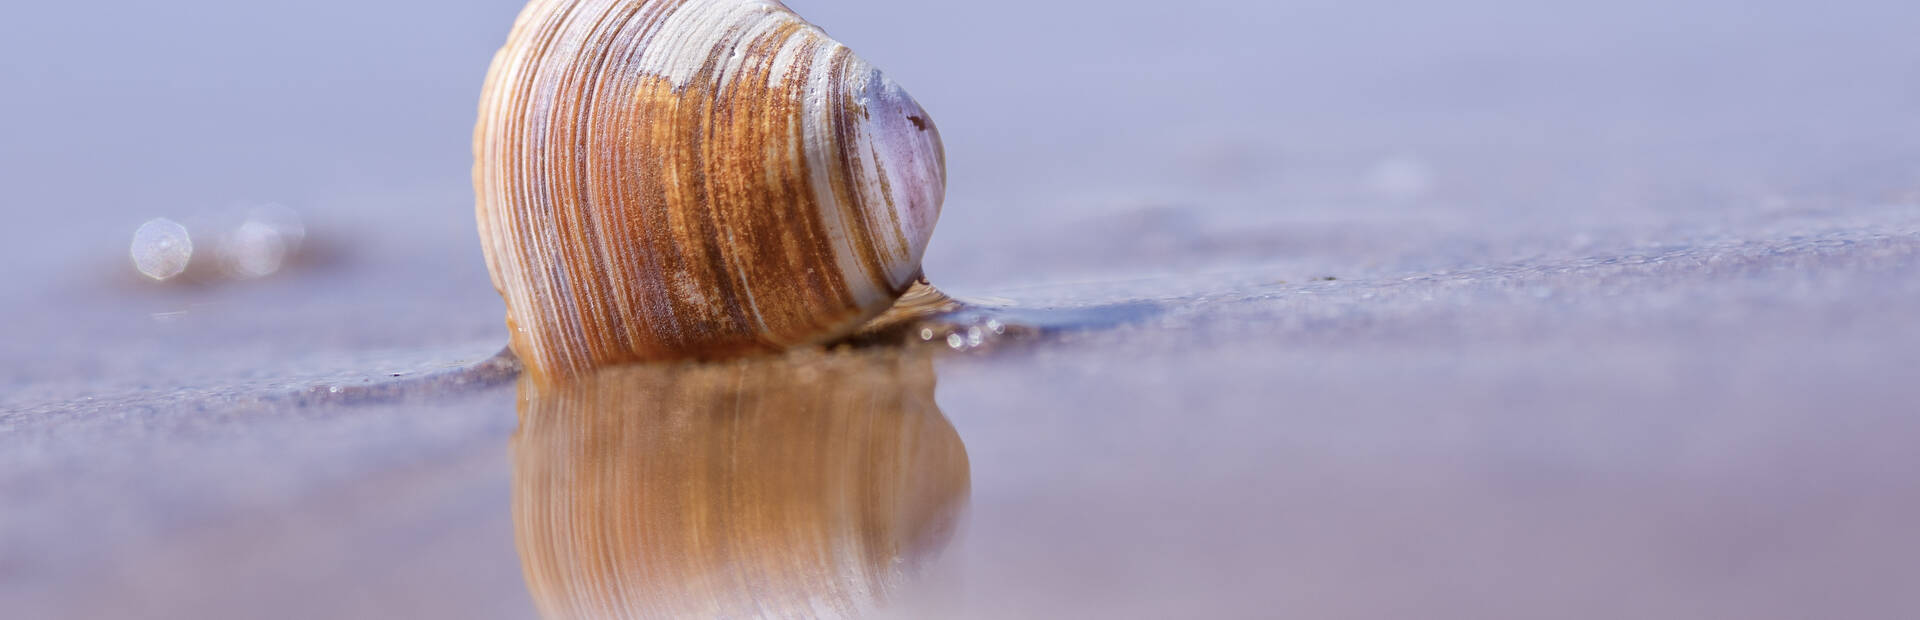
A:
{"x": 1304, "y": 309}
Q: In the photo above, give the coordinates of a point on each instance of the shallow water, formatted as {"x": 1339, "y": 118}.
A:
{"x": 1342, "y": 309}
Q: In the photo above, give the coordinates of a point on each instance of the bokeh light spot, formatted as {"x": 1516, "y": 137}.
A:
{"x": 161, "y": 248}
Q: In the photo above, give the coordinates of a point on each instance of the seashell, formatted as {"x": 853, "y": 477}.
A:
{"x": 750, "y": 488}
{"x": 665, "y": 179}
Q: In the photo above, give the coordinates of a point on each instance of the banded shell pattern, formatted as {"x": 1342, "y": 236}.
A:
{"x": 662, "y": 179}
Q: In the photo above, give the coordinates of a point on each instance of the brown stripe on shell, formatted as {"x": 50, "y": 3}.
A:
{"x": 847, "y": 118}
{"x": 655, "y": 182}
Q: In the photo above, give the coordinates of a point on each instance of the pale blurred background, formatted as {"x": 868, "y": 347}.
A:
{"x": 359, "y": 113}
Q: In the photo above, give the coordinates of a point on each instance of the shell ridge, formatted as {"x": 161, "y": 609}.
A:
{"x": 558, "y": 100}
{"x": 820, "y": 276}
{"x": 847, "y": 184}
{"x": 711, "y": 186}
{"x": 778, "y": 203}
{"x": 570, "y": 121}
{"x": 600, "y": 171}
{"x": 628, "y": 181}
{"x": 531, "y": 191}
{"x": 819, "y": 150}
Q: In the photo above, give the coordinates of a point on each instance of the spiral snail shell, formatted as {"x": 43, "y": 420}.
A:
{"x": 663, "y": 179}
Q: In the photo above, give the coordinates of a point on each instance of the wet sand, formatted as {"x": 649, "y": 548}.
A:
{"x": 1655, "y": 433}
{"x": 1475, "y": 312}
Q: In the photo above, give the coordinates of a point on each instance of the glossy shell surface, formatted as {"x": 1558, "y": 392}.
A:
{"x": 664, "y": 179}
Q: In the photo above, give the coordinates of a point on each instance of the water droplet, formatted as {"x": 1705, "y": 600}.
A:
{"x": 261, "y": 245}
{"x": 161, "y": 248}
{"x": 253, "y": 250}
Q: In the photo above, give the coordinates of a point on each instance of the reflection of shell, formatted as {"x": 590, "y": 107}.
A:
{"x": 665, "y": 179}
{"x": 761, "y": 488}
